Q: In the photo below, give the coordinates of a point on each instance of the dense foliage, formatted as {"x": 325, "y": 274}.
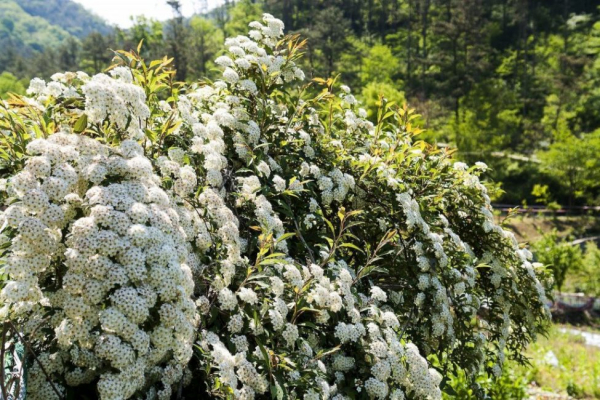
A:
{"x": 513, "y": 83}
{"x": 255, "y": 236}
{"x": 560, "y": 255}
{"x": 575, "y": 268}
{"x": 69, "y": 15}
{"x": 22, "y": 33}
{"x": 29, "y": 28}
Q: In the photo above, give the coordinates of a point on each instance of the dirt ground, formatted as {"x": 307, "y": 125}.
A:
{"x": 529, "y": 228}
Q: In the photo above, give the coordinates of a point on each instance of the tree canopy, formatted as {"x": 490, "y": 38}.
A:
{"x": 503, "y": 81}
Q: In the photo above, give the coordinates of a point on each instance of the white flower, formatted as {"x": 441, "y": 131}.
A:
{"x": 227, "y": 299}
{"x": 248, "y": 296}
{"x": 481, "y": 166}
{"x": 378, "y": 294}
{"x": 224, "y": 61}
{"x": 279, "y": 183}
{"x": 460, "y": 166}
{"x": 230, "y": 75}
{"x": 290, "y": 334}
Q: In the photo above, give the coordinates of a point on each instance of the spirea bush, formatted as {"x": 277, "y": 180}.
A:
{"x": 252, "y": 237}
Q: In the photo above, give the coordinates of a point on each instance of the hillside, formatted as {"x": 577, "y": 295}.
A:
{"x": 70, "y": 16}
{"x": 26, "y": 33}
{"x": 28, "y": 27}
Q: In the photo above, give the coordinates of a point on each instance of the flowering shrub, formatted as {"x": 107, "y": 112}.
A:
{"x": 260, "y": 223}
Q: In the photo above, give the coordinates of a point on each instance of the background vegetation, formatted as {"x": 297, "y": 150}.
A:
{"x": 510, "y": 82}
{"x": 514, "y": 83}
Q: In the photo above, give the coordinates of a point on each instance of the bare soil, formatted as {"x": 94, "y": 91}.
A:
{"x": 529, "y": 228}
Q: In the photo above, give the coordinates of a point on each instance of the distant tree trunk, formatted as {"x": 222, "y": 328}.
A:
{"x": 383, "y": 16}
{"x": 524, "y": 36}
{"x": 424, "y": 28}
{"x": 287, "y": 14}
{"x": 178, "y": 41}
{"x": 504, "y": 3}
{"x": 370, "y": 15}
{"x": 201, "y": 52}
{"x": 571, "y": 187}
{"x": 455, "y": 72}
{"x": 563, "y": 63}
{"x": 409, "y": 42}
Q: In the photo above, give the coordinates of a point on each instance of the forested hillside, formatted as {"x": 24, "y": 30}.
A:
{"x": 25, "y": 34}
{"x": 515, "y": 83}
{"x": 29, "y": 27}
{"x": 67, "y": 14}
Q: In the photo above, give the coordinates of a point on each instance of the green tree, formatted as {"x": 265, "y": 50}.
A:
{"x": 176, "y": 40}
{"x": 590, "y": 272}
{"x": 149, "y": 31}
{"x": 559, "y": 255}
{"x": 574, "y": 163}
{"x": 205, "y": 41}
{"x": 328, "y": 39}
{"x": 10, "y": 84}
{"x": 373, "y": 93}
{"x": 68, "y": 55}
{"x": 240, "y": 15}
{"x": 379, "y": 65}
{"x": 96, "y": 54}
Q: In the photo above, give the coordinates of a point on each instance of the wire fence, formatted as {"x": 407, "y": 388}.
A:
{"x": 564, "y": 210}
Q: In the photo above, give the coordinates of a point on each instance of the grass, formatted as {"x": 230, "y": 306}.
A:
{"x": 578, "y": 370}
{"x": 575, "y": 375}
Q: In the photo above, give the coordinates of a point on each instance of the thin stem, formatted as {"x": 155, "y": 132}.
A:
{"x": 180, "y": 386}
{"x": 310, "y": 252}
{"x": 28, "y": 347}
{"x": 2, "y": 377}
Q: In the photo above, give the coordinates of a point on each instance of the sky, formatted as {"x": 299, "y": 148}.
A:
{"x": 118, "y": 12}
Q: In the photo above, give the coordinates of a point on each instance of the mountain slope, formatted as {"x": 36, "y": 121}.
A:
{"x": 70, "y": 16}
{"x": 26, "y": 33}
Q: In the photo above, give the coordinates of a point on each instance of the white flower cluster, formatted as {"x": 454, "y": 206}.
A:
{"x": 234, "y": 368}
{"x": 119, "y": 100}
{"x": 124, "y": 258}
{"x": 335, "y": 186}
{"x": 59, "y": 86}
{"x": 223, "y": 231}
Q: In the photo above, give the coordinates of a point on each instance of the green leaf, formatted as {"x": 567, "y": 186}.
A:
{"x": 323, "y": 353}
{"x": 280, "y": 386}
{"x": 309, "y": 324}
{"x": 353, "y": 213}
{"x": 80, "y": 124}
{"x": 263, "y": 351}
{"x": 272, "y": 261}
{"x": 150, "y": 135}
{"x": 330, "y": 225}
{"x": 388, "y": 114}
{"x": 309, "y": 309}
{"x": 275, "y": 255}
{"x": 285, "y": 236}
{"x": 276, "y": 392}
{"x": 290, "y": 193}
{"x": 449, "y": 389}
{"x": 341, "y": 213}
{"x": 352, "y": 246}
